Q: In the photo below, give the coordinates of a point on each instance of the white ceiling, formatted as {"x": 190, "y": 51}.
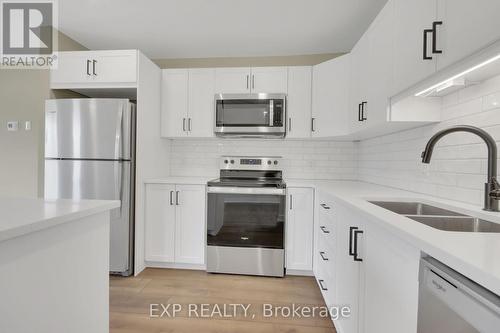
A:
{"x": 218, "y": 28}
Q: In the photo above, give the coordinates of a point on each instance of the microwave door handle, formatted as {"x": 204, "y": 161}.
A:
{"x": 271, "y": 113}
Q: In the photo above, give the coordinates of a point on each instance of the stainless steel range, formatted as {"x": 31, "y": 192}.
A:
{"x": 246, "y": 217}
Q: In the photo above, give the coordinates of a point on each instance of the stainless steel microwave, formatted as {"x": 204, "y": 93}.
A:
{"x": 250, "y": 115}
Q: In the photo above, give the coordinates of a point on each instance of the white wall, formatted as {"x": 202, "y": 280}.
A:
{"x": 301, "y": 159}
{"x": 458, "y": 167}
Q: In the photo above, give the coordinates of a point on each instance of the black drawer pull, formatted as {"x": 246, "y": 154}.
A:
{"x": 322, "y": 254}
{"x": 324, "y": 206}
{"x": 434, "y": 37}
{"x": 321, "y": 285}
{"x": 323, "y": 228}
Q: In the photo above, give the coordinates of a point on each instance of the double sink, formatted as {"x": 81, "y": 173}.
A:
{"x": 438, "y": 218}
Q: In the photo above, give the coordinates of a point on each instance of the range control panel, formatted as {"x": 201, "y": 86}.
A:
{"x": 250, "y": 163}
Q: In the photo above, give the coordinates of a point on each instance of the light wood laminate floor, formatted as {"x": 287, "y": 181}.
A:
{"x": 130, "y": 300}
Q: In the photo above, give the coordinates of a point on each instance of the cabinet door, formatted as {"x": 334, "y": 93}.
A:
{"x": 330, "y": 97}
{"x": 159, "y": 223}
{"x": 412, "y": 17}
{"x": 232, "y": 80}
{"x": 190, "y": 233}
{"x": 358, "y": 83}
{"x": 201, "y": 102}
{"x": 174, "y": 102}
{"x": 95, "y": 69}
{"x": 299, "y": 102}
{"x": 299, "y": 228}
{"x": 347, "y": 271}
{"x": 269, "y": 80}
{"x": 467, "y": 27}
{"x": 115, "y": 66}
{"x": 72, "y": 68}
{"x": 380, "y": 66}
{"x": 391, "y": 282}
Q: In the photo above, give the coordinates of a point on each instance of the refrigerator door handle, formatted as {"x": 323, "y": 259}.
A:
{"x": 119, "y": 137}
{"x": 118, "y": 189}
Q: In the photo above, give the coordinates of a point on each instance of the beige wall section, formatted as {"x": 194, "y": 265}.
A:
{"x": 296, "y": 60}
{"x": 23, "y": 94}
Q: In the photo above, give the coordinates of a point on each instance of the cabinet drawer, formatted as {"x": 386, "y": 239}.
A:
{"x": 325, "y": 256}
{"x": 326, "y": 285}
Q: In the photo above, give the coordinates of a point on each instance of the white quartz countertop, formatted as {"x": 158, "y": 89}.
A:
{"x": 20, "y": 216}
{"x": 475, "y": 255}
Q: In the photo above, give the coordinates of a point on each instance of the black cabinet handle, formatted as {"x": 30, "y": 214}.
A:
{"x": 88, "y": 67}
{"x": 325, "y": 206}
{"x": 359, "y": 112}
{"x": 291, "y": 202}
{"x": 312, "y": 124}
{"x": 356, "y": 233}
{"x": 426, "y": 32}
{"x": 363, "y": 118}
{"x": 322, "y": 254}
{"x": 177, "y": 198}
{"x": 323, "y": 228}
{"x": 351, "y": 229}
{"x": 434, "y": 37}
{"x": 321, "y": 285}
{"x": 94, "y": 62}
{"x": 171, "y": 198}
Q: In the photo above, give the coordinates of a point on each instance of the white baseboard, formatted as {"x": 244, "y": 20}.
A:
{"x": 155, "y": 264}
{"x": 299, "y": 272}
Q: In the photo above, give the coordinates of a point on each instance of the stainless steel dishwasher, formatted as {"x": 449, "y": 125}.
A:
{"x": 451, "y": 303}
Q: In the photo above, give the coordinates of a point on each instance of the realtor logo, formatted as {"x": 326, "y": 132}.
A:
{"x": 28, "y": 29}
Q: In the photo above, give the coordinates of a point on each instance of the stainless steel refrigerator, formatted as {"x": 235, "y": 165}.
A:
{"x": 90, "y": 154}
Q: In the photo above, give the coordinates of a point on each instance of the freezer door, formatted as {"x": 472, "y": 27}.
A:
{"x": 102, "y": 180}
{"x": 88, "y": 128}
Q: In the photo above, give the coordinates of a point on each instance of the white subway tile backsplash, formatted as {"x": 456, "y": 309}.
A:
{"x": 458, "y": 167}
{"x": 301, "y": 159}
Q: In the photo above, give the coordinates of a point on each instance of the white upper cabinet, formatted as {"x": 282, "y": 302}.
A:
{"x": 174, "y": 102}
{"x": 299, "y": 228}
{"x": 269, "y": 80}
{"x": 299, "y": 102}
{"x": 188, "y": 102}
{"x": 413, "y": 61}
{"x": 330, "y": 97}
{"x": 201, "y": 102}
{"x": 232, "y": 80}
{"x": 251, "y": 80}
{"x": 190, "y": 224}
{"x": 380, "y": 67}
{"x": 467, "y": 26}
{"x": 358, "y": 84}
{"x": 95, "y": 69}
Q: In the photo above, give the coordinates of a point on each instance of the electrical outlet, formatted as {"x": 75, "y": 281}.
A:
{"x": 12, "y": 125}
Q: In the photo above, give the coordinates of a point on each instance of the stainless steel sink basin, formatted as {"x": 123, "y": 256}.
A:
{"x": 438, "y": 218}
{"x": 414, "y": 208}
{"x": 460, "y": 223}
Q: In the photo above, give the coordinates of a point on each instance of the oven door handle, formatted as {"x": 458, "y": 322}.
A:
{"x": 245, "y": 190}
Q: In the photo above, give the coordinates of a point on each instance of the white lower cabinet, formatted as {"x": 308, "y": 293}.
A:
{"x": 175, "y": 223}
{"x": 390, "y": 283}
{"x": 299, "y": 228}
{"x": 361, "y": 265}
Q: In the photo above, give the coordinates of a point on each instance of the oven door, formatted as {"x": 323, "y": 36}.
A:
{"x": 246, "y": 217}
{"x": 250, "y": 114}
